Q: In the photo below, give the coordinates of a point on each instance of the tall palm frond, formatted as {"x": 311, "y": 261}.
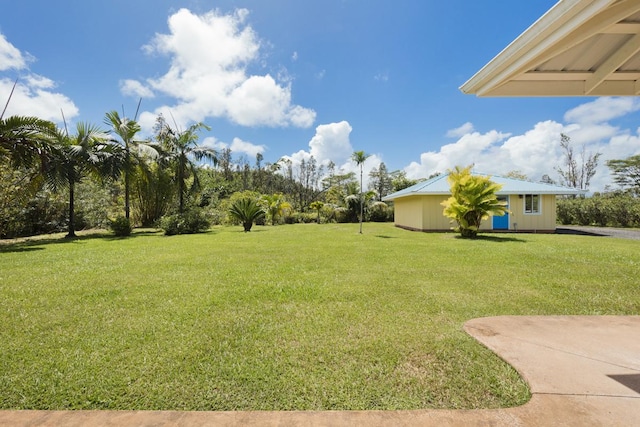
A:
{"x": 26, "y": 141}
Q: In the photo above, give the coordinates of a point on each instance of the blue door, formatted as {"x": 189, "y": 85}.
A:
{"x": 502, "y": 222}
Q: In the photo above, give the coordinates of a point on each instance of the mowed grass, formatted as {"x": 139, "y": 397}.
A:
{"x": 298, "y": 317}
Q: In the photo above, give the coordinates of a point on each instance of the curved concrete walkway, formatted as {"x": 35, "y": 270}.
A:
{"x": 582, "y": 370}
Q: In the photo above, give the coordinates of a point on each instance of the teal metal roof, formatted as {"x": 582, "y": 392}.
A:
{"x": 440, "y": 186}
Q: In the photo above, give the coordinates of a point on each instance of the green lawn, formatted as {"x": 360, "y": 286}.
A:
{"x": 304, "y": 317}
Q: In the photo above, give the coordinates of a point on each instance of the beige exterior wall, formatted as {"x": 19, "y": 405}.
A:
{"x": 425, "y": 213}
{"x": 421, "y": 213}
{"x": 544, "y": 221}
{"x": 432, "y": 213}
{"x": 408, "y": 212}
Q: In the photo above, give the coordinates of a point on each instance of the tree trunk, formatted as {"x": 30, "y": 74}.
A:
{"x": 71, "y": 232}
{"x": 126, "y": 195}
{"x": 361, "y": 200}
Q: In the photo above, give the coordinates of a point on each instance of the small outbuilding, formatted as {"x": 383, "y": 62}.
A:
{"x": 531, "y": 205}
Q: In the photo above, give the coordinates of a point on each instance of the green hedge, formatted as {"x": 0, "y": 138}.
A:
{"x": 612, "y": 210}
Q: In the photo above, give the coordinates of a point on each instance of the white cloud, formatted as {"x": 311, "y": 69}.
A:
{"x": 240, "y": 146}
{"x": 294, "y": 56}
{"x": 331, "y": 143}
{"x": 208, "y": 73}
{"x": 34, "y": 95}
{"x": 471, "y": 148}
{"x": 11, "y": 57}
{"x": 382, "y": 77}
{"x": 462, "y": 130}
{"x": 602, "y": 110}
{"x": 135, "y": 88}
{"x": 31, "y": 99}
{"x": 237, "y": 146}
{"x": 259, "y": 100}
{"x": 537, "y": 151}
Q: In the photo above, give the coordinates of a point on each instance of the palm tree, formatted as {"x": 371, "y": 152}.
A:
{"x": 178, "y": 149}
{"x": 473, "y": 198}
{"x": 246, "y": 210}
{"x": 88, "y": 151}
{"x": 275, "y": 206}
{"x": 126, "y": 129}
{"x": 359, "y": 157}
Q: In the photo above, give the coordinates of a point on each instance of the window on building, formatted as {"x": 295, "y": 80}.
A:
{"x": 532, "y": 203}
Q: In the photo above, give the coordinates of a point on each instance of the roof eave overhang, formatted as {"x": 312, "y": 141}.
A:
{"x": 561, "y": 27}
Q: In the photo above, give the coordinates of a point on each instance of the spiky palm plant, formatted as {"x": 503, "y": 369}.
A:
{"x": 247, "y": 211}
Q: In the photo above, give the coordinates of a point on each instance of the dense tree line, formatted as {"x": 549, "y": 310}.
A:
{"x": 617, "y": 208}
{"x": 614, "y": 209}
{"x": 54, "y": 180}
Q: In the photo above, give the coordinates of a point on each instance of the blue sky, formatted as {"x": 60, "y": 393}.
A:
{"x": 299, "y": 78}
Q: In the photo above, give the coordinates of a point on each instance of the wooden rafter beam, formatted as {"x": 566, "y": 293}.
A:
{"x": 615, "y": 61}
{"x": 609, "y": 21}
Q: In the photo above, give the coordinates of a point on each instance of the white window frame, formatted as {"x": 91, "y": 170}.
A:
{"x": 533, "y": 211}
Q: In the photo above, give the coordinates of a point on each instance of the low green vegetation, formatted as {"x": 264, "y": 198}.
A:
{"x": 302, "y": 317}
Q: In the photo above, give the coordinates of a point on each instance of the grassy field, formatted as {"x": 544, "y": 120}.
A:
{"x": 299, "y": 317}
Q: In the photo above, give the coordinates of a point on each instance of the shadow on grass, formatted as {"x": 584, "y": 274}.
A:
{"x": 382, "y": 236}
{"x": 493, "y": 238}
{"x": 36, "y": 243}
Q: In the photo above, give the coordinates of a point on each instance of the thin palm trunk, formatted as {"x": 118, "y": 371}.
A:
{"x": 359, "y": 157}
{"x": 71, "y": 231}
{"x": 181, "y": 179}
{"x": 126, "y": 195}
{"x": 361, "y": 200}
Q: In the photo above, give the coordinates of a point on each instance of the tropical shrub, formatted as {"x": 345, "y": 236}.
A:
{"x": 153, "y": 192}
{"x": 121, "y": 226}
{"x": 275, "y": 206}
{"x": 190, "y": 222}
{"x": 317, "y": 206}
{"x": 565, "y": 212}
{"x": 43, "y": 214}
{"x": 380, "y": 212}
{"x": 473, "y": 199}
{"x": 301, "y": 218}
